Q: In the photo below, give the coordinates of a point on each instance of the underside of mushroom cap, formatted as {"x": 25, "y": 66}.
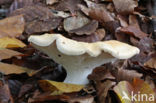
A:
{"x": 71, "y": 47}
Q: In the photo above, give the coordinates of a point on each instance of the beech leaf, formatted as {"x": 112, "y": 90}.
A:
{"x": 6, "y": 42}
{"x": 58, "y": 87}
{"x": 7, "y": 53}
{"x": 130, "y": 92}
{"x": 13, "y": 69}
{"x": 12, "y": 26}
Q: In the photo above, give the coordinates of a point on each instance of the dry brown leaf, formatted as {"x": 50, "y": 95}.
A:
{"x": 151, "y": 63}
{"x": 17, "y": 4}
{"x": 75, "y": 22}
{"x": 6, "y": 42}
{"x": 5, "y": 1}
{"x": 125, "y": 6}
{"x": 12, "y": 69}
{"x": 100, "y": 74}
{"x": 58, "y": 88}
{"x": 12, "y": 26}
{"x": 5, "y": 95}
{"x": 82, "y": 99}
{"x": 87, "y": 29}
{"x": 94, "y": 37}
{"x": 126, "y": 75}
{"x": 102, "y": 90}
{"x": 69, "y": 5}
{"x": 97, "y": 12}
{"x": 51, "y": 2}
{"x": 134, "y": 21}
{"x": 122, "y": 20}
{"x": 38, "y": 19}
{"x": 7, "y": 53}
{"x": 133, "y": 31}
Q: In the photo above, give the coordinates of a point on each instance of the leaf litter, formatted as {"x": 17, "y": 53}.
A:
{"x": 22, "y": 67}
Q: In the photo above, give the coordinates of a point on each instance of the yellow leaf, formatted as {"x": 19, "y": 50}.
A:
{"x": 13, "y": 69}
{"x": 58, "y": 87}
{"x": 7, "y": 42}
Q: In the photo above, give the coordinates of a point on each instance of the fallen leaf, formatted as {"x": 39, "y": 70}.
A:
{"x": 126, "y": 75}
{"x": 134, "y": 21}
{"x": 100, "y": 74}
{"x": 87, "y": 29}
{"x": 69, "y": 5}
{"x": 123, "y": 20}
{"x": 151, "y": 63}
{"x": 17, "y": 4}
{"x": 5, "y": 2}
{"x": 7, "y": 53}
{"x": 5, "y": 95}
{"x": 126, "y": 91}
{"x": 75, "y": 22}
{"x": 133, "y": 31}
{"x": 38, "y": 19}
{"x": 12, "y": 26}
{"x": 6, "y": 42}
{"x": 24, "y": 89}
{"x": 125, "y": 6}
{"x": 98, "y": 35}
{"x": 83, "y": 99}
{"x": 13, "y": 69}
{"x": 58, "y": 88}
{"x": 102, "y": 90}
{"x": 51, "y": 2}
{"x": 97, "y": 12}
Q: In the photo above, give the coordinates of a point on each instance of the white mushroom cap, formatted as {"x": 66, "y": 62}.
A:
{"x": 79, "y": 58}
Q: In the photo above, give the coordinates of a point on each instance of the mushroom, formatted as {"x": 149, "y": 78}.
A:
{"x": 80, "y": 58}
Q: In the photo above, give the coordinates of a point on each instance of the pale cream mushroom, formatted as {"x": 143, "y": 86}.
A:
{"x": 80, "y": 58}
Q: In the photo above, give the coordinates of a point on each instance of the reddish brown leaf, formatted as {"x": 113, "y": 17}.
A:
{"x": 123, "y": 21}
{"x": 97, "y": 36}
{"x": 125, "y": 6}
{"x": 102, "y": 90}
{"x": 71, "y": 5}
{"x": 134, "y": 21}
{"x": 133, "y": 31}
{"x": 87, "y": 29}
{"x": 126, "y": 75}
{"x": 12, "y": 26}
{"x": 25, "y": 89}
{"x": 5, "y": 95}
{"x": 101, "y": 73}
{"x": 38, "y": 19}
{"x": 5, "y": 2}
{"x": 97, "y": 12}
{"x": 7, "y": 53}
{"x": 17, "y": 4}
